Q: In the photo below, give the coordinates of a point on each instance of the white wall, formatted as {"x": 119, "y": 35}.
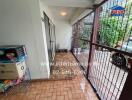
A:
{"x": 63, "y": 34}
{"x": 45, "y": 8}
{"x": 20, "y": 23}
{"x": 63, "y": 29}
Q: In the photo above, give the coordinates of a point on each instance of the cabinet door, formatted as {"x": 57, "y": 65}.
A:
{"x": 21, "y": 68}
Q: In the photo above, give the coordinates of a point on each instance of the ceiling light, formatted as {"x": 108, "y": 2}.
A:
{"x": 63, "y": 13}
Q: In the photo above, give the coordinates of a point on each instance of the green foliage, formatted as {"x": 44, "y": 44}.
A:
{"x": 84, "y": 35}
{"x": 82, "y": 44}
{"x": 114, "y": 28}
{"x": 129, "y": 13}
{"x": 112, "y": 31}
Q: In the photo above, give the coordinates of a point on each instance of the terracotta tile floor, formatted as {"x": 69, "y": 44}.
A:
{"x": 77, "y": 88}
{"x": 64, "y": 66}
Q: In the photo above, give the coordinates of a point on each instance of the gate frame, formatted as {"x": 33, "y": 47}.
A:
{"x": 93, "y": 38}
{"x": 127, "y": 89}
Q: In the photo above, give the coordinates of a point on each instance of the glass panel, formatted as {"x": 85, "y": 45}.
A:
{"x": 50, "y": 37}
{"x": 81, "y": 37}
{"x": 52, "y": 34}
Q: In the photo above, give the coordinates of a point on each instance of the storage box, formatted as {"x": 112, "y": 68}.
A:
{"x": 12, "y": 53}
{"x": 12, "y": 70}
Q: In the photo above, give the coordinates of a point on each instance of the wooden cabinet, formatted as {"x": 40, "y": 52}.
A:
{"x": 12, "y": 70}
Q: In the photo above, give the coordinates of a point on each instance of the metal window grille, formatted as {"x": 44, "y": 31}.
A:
{"x": 110, "y": 48}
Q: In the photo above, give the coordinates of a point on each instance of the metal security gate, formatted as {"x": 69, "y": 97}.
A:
{"x": 110, "y": 50}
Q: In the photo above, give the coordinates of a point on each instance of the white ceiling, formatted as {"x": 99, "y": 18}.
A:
{"x": 70, "y": 3}
{"x": 56, "y": 10}
{"x": 71, "y": 7}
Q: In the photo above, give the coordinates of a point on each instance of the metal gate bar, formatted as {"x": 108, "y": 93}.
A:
{"x": 127, "y": 90}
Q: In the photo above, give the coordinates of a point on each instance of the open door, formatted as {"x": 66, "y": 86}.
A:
{"x": 50, "y": 37}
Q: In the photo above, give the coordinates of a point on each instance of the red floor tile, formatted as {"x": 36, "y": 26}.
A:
{"x": 76, "y": 88}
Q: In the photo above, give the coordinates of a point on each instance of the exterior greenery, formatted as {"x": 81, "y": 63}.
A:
{"x": 115, "y": 30}
{"x": 111, "y": 31}
{"x": 85, "y": 35}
